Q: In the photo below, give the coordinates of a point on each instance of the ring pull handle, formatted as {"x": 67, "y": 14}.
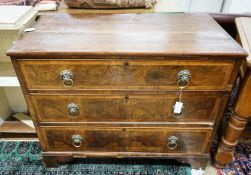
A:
{"x": 73, "y": 109}
{"x": 67, "y": 78}
{"x": 77, "y": 141}
{"x": 184, "y": 77}
{"x": 172, "y": 142}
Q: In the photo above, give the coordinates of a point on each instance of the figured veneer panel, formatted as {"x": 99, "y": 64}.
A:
{"x": 154, "y": 140}
{"x": 198, "y": 107}
{"x": 131, "y": 74}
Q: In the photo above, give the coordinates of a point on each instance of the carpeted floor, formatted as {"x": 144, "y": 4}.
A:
{"x": 23, "y": 158}
{"x": 241, "y": 163}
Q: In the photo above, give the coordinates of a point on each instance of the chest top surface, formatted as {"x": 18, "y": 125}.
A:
{"x": 72, "y": 35}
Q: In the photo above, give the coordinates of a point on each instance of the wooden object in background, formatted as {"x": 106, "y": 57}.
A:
{"x": 244, "y": 30}
{"x": 235, "y": 125}
{"x": 13, "y": 125}
{"x": 13, "y": 129}
{"x": 227, "y": 21}
{"x": 107, "y": 86}
{"x": 242, "y": 109}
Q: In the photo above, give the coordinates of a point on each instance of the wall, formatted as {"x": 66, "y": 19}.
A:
{"x": 5, "y": 109}
{"x": 16, "y": 99}
{"x": 213, "y": 6}
{"x": 205, "y": 6}
{"x": 190, "y": 5}
{"x": 236, "y": 6}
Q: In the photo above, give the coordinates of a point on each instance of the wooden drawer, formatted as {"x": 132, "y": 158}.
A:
{"x": 155, "y": 140}
{"x": 198, "y": 107}
{"x": 131, "y": 74}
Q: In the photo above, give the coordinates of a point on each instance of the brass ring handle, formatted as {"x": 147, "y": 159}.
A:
{"x": 73, "y": 109}
{"x": 67, "y": 78}
{"x": 183, "y": 78}
{"x": 77, "y": 141}
{"x": 172, "y": 142}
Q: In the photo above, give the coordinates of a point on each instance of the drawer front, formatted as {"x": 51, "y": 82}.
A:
{"x": 132, "y": 74}
{"x": 158, "y": 140}
{"x": 198, "y": 107}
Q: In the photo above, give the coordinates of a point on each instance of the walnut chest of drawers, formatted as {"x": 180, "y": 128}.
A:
{"x": 106, "y": 85}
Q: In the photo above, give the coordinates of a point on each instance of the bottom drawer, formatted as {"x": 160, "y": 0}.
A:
{"x": 151, "y": 140}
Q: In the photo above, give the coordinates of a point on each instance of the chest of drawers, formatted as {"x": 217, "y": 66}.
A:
{"x": 106, "y": 85}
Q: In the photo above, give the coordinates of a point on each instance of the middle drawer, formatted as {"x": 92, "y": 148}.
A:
{"x": 198, "y": 106}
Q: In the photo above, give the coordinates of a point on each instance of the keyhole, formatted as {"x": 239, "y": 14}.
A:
{"x": 126, "y": 64}
{"x": 126, "y": 98}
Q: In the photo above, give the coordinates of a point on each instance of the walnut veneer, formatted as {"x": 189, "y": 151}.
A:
{"x": 106, "y": 85}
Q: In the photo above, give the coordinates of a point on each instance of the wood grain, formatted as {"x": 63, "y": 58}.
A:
{"x": 198, "y": 107}
{"x": 131, "y": 74}
{"x": 12, "y": 125}
{"x": 126, "y": 139}
{"x": 126, "y": 34}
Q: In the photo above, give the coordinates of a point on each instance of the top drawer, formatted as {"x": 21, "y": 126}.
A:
{"x": 125, "y": 74}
